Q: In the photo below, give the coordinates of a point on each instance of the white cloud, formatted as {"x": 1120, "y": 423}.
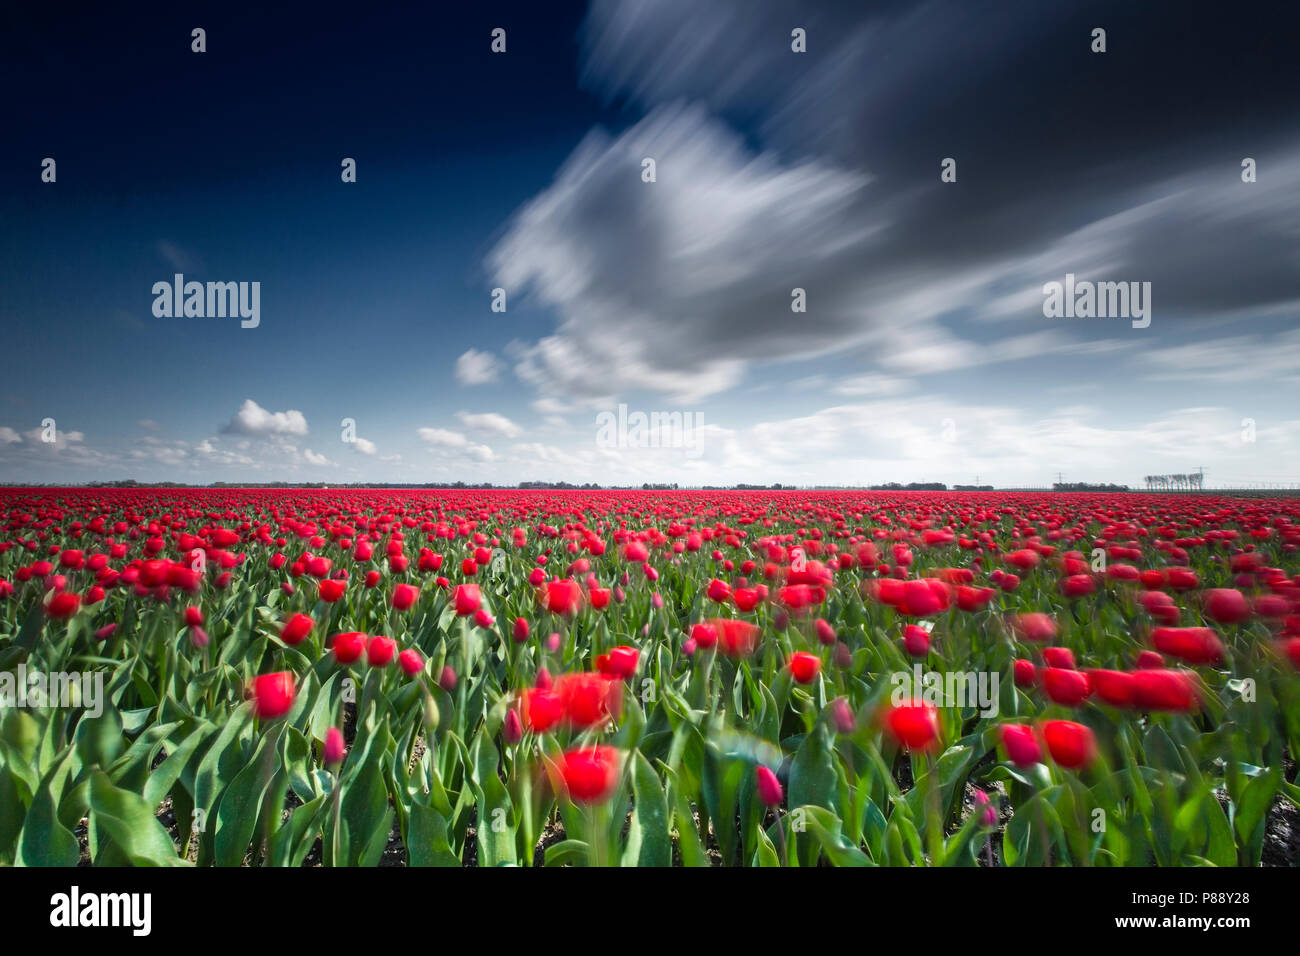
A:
{"x": 253, "y": 419}
{"x": 490, "y": 422}
{"x": 313, "y": 458}
{"x": 477, "y": 368}
{"x": 8, "y": 436}
{"x": 454, "y": 444}
{"x": 675, "y": 285}
{"x": 364, "y": 445}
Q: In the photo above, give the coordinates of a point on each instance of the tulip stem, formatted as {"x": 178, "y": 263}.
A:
{"x": 780, "y": 838}
{"x": 934, "y": 811}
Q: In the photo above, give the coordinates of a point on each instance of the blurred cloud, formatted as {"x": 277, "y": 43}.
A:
{"x": 477, "y": 368}
{"x": 253, "y": 419}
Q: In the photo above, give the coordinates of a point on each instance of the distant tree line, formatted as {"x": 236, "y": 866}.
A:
{"x": 1086, "y": 486}
{"x": 1193, "y": 481}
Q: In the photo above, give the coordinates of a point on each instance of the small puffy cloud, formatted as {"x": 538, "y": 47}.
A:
{"x": 454, "y": 444}
{"x": 364, "y": 445}
{"x": 490, "y": 422}
{"x": 477, "y": 368}
{"x": 8, "y": 436}
{"x": 313, "y": 458}
{"x": 253, "y": 419}
{"x": 149, "y": 425}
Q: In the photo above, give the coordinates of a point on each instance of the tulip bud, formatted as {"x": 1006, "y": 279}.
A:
{"x": 334, "y": 748}
{"x": 825, "y": 633}
{"x": 553, "y": 643}
{"x": 431, "y": 715}
{"x": 521, "y": 630}
{"x": 769, "y": 788}
{"x": 843, "y": 656}
{"x": 447, "y": 679}
{"x": 842, "y": 715}
{"x": 198, "y": 637}
{"x": 513, "y": 730}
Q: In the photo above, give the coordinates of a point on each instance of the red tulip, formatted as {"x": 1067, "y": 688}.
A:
{"x": 410, "y": 661}
{"x": 1071, "y": 745}
{"x": 1226, "y": 606}
{"x": 1195, "y": 645}
{"x": 704, "y": 634}
{"x": 1066, "y": 687}
{"x": 404, "y": 595}
{"x": 63, "y": 605}
{"x": 1034, "y": 626}
{"x": 561, "y": 597}
{"x": 825, "y": 633}
{"x": 804, "y": 667}
{"x": 1021, "y": 745}
{"x": 296, "y": 629}
{"x": 914, "y": 725}
{"x": 193, "y": 617}
{"x": 1114, "y": 687}
{"x": 1025, "y": 673}
{"x": 589, "y": 699}
{"x": 541, "y": 709}
{"x": 380, "y": 651}
{"x": 620, "y": 663}
{"x": 349, "y": 647}
{"x": 718, "y": 591}
{"x": 1059, "y": 657}
{"x": 331, "y": 590}
{"x": 466, "y": 599}
{"x": 590, "y": 775}
{"x": 273, "y": 694}
{"x": 1171, "y": 690}
{"x": 737, "y": 638}
{"x": 916, "y": 640}
{"x": 1078, "y": 585}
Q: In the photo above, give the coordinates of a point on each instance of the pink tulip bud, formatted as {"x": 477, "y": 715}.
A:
{"x": 513, "y": 731}
{"x": 842, "y": 715}
{"x": 334, "y": 749}
{"x": 769, "y": 788}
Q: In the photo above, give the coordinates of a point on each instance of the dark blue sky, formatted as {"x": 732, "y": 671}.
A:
{"x": 924, "y": 354}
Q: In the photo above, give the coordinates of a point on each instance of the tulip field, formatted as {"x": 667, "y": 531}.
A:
{"x": 225, "y": 677}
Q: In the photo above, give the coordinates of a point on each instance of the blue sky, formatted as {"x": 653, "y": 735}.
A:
{"x": 924, "y": 353}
